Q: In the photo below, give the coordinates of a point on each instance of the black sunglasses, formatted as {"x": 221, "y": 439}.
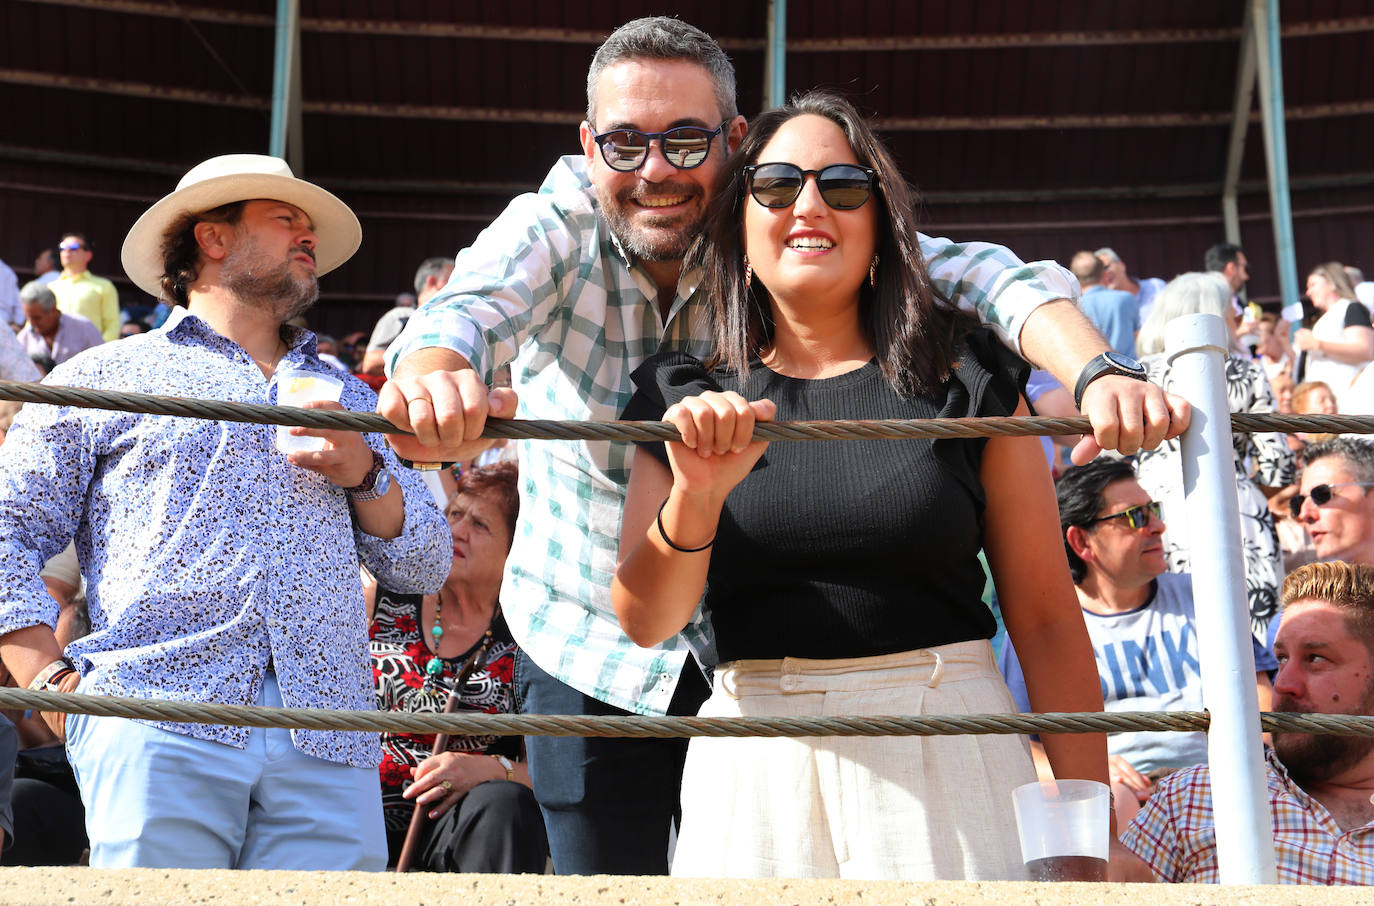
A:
{"x": 1137, "y": 517}
{"x": 843, "y": 186}
{"x": 685, "y": 147}
{"x": 1321, "y": 495}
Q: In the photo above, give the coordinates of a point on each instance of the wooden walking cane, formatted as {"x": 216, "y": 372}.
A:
{"x": 417, "y": 817}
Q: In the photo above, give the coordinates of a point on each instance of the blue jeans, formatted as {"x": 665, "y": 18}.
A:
{"x": 608, "y": 804}
{"x": 157, "y": 799}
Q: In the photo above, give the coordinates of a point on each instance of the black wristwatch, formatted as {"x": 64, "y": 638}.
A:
{"x": 375, "y": 483}
{"x": 1105, "y": 363}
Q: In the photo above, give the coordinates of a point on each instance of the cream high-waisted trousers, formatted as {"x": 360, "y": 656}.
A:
{"x": 896, "y": 807}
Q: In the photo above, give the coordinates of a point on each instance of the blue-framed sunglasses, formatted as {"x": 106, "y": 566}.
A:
{"x": 685, "y": 147}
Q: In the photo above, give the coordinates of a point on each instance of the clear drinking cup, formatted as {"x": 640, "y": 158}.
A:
{"x": 1064, "y": 827}
{"x": 297, "y": 387}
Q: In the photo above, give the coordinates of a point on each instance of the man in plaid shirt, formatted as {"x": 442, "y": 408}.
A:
{"x": 575, "y": 286}
{"x": 1319, "y": 786}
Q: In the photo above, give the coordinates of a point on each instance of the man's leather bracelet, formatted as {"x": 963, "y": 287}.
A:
{"x": 425, "y": 466}
{"x": 420, "y": 466}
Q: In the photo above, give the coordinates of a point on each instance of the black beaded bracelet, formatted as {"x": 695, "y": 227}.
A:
{"x": 669, "y": 541}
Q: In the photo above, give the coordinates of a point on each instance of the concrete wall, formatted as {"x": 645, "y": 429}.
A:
{"x": 147, "y": 887}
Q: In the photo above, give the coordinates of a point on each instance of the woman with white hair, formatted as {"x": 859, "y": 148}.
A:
{"x": 1263, "y": 461}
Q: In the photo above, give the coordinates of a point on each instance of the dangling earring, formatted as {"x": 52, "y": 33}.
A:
{"x": 748, "y": 272}
{"x": 873, "y": 272}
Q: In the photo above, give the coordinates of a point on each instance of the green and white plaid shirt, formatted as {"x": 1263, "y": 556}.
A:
{"x": 547, "y": 288}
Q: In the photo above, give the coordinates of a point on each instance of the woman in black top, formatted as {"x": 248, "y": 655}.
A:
{"x": 841, "y": 577}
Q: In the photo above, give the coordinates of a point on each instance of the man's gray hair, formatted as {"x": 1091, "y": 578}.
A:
{"x": 1107, "y": 253}
{"x": 1356, "y": 455}
{"x": 430, "y": 267}
{"x": 36, "y": 292}
{"x": 664, "y": 38}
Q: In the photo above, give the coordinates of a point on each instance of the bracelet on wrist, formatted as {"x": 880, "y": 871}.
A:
{"x": 51, "y": 674}
{"x": 421, "y": 466}
{"x": 669, "y": 541}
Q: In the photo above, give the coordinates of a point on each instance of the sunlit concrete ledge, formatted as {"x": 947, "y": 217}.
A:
{"x": 149, "y": 887}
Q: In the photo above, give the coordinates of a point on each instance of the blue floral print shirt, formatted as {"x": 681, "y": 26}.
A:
{"x": 208, "y": 556}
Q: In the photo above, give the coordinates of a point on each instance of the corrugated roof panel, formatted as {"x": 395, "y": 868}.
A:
{"x": 163, "y": 98}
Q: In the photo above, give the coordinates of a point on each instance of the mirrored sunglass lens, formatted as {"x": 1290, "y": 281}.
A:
{"x": 625, "y": 149}
{"x": 844, "y": 188}
{"x": 776, "y": 186}
{"x": 1321, "y": 494}
{"x": 1139, "y": 517}
{"x": 687, "y": 147}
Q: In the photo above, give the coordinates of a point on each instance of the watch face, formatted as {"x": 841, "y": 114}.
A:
{"x": 1124, "y": 362}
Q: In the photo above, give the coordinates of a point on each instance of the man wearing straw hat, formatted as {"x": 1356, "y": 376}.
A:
{"x": 219, "y": 570}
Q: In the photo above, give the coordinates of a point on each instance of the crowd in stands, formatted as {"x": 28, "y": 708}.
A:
{"x": 692, "y": 267}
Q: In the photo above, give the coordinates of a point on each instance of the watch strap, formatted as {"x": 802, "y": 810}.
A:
{"x": 374, "y": 484}
{"x": 1099, "y": 365}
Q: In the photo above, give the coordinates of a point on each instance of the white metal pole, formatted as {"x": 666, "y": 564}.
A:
{"x": 1196, "y": 346}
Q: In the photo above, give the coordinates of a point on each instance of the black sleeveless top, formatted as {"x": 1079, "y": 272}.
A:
{"x": 848, "y": 548}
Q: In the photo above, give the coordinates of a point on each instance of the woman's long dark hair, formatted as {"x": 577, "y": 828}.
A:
{"x": 913, "y": 330}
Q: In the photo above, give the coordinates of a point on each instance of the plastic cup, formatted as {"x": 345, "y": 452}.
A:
{"x": 1064, "y": 827}
{"x": 296, "y": 388}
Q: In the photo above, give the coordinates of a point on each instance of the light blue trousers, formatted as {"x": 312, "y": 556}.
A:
{"x": 156, "y": 799}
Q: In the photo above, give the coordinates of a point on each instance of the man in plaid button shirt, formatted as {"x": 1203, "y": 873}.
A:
{"x": 1320, "y": 786}
{"x": 575, "y": 286}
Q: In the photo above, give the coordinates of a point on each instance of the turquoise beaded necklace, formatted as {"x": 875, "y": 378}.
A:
{"x": 435, "y": 668}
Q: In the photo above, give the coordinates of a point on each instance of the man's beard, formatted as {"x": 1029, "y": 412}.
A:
{"x": 1315, "y": 758}
{"x": 668, "y": 243}
{"x": 247, "y": 273}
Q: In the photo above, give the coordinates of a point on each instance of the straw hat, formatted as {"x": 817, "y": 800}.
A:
{"x": 239, "y": 177}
